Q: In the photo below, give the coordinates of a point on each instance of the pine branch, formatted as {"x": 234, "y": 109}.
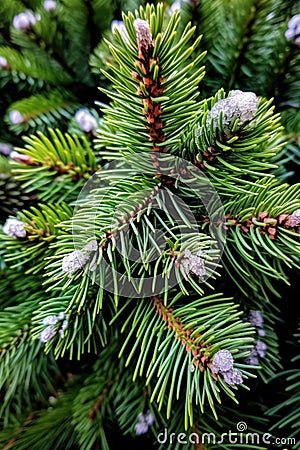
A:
{"x": 222, "y": 42}
{"x": 27, "y": 375}
{"x": 290, "y": 420}
{"x": 266, "y": 237}
{"x": 233, "y": 145}
{"x": 91, "y": 419}
{"x": 8, "y": 9}
{"x": 217, "y": 328}
{"x": 56, "y": 418}
{"x": 125, "y": 222}
{"x": 159, "y": 83}
{"x": 41, "y": 111}
{"x": 12, "y": 197}
{"x": 81, "y": 324}
{"x": 58, "y": 165}
{"x": 25, "y": 64}
{"x": 74, "y": 18}
{"x": 30, "y": 249}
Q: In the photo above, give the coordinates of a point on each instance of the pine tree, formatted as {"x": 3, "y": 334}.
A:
{"x": 150, "y": 227}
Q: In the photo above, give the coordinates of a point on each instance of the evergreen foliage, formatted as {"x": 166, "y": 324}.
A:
{"x": 150, "y": 234}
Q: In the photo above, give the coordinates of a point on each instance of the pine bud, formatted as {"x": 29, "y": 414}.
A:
{"x": 191, "y": 368}
{"x": 193, "y": 263}
{"x": 62, "y": 328}
{"x": 144, "y": 37}
{"x": 261, "y": 348}
{"x": 16, "y": 117}
{"x": 222, "y": 362}
{"x": 50, "y": 320}
{"x": 74, "y": 261}
{"x": 252, "y": 359}
{"x": 174, "y": 7}
{"x": 3, "y": 63}
{"x": 14, "y": 228}
{"x": 86, "y": 121}
{"x": 49, "y": 5}
{"x": 144, "y": 421}
{"x": 141, "y": 428}
{"x": 293, "y": 220}
{"x": 240, "y": 105}
{"x": 261, "y": 332}
{"x": 256, "y": 319}
{"x": 61, "y": 316}
{"x": 24, "y": 21}
{"x": 293, "y": 31}
{"x": 149, "y": 418}
{"x": 233, "y": 376}
{"x": 52, "y": 399}
{"x": 118, "y": 24}
{"x": 47, "y": 334}
{"x": 5, "y": 149}
{"x": 25, "y": 159}
{"x": 91, "y": 246}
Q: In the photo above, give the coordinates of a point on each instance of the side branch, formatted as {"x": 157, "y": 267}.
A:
{"x": 100, "y": 400}
{"x": 194, "y": 344}
{"x": 268, "y": 225}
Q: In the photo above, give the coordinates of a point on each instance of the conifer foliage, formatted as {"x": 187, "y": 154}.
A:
{"x": 150, "y": 228}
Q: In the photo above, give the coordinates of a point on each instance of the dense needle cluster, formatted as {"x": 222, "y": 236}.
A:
{"x": 182, "y": 347}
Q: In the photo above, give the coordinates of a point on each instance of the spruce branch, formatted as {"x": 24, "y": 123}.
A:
{"x": 235, "y": 141}
{"x": 154, "y": 78}
{"x": 41, "y": 110}
{"x": 123, "y": 302}
{"x": 189, "y": 357}
{"x": 291, "y": 404}
{"x": 87, "y": 314}
{"x": 124, "y": 225}
{"x": 28, "y": 246}
{"x": 56, "y": 418}
{"x": 12, "y": 197}
{"x": 92, "y": 418}
{"x": 21, "y": 359}
{"x": 267, "y": 235}
{"x": 58, "y": 165}
{"x": 24, "y": 64}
